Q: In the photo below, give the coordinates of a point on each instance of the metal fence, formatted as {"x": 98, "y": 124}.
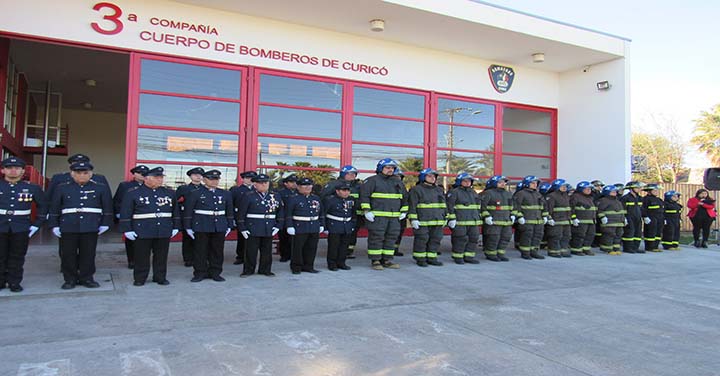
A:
{"x": 686, "y": 191}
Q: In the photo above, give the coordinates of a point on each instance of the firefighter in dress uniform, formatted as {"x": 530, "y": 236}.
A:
{"x": 208, "y": 219}
{"x": 260, "y": 216}
{"x": 339, "y": 210}
{"x": 149, "y": 217}
{"x": 305, "y": 222}
{"x": 284, "y": 242}
{"x": 463, "y": 205}
{"x": 16, "y": 227}
{"x": 122, "y": 188}
{"x": 80, "y": 211}
{"x": 183, "y": 191}
{"x": 427, "y": 212}
{"x": 237, "y": 192}
{"x": 348, "y": 175}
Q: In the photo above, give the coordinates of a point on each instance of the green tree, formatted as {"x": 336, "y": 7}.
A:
{"x": 664, "y": 157}
{"x": 412, "y": 165}
{"x": 707, "y": 134}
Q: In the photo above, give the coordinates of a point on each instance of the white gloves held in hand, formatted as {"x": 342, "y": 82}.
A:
{"x": 452, "y": 223}
{"x": 489, "y": 221}
{"x": 102, "y": 229}
{"x": 33, "y": 230}
{"x": 130, "y": 235}
{"x": 174, "y": 232}
{"x": 190, "y": 233}
{"x": 647, "y": 220}
{"x": 551, "y": 222}
{"x": 245, "y": 234}
{"x": 402, "y": 216}
{"x": 521, "y": 221}
{"x": 370, "y": 216}
{"x": 576, "y": 222}
{"x": 415, "y": 224}
{"x": 275, "y": 230}
{"x": 291, "y": 230}
{"x": 56, "y": 232}
{"x": 604, "y": 220}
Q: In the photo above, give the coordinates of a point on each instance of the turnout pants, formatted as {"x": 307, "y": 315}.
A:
{"x": 496, "y": 239}
{"x": 582, "y": 237}
{"x": 144, "y": 249}
{"x": 632, "y": 234}
{"x": 77, "y": 256}
{"x": 240, "y": 248}
{"x": 284, "y": 244}
{"x": 129, "y": 250}
{"x": 208, "y": 254}
{"x": 382, "y": 234}
{"x": 611, "y": 239}
{"x": 530, "y": 236}
{"x": 13, "y": 248}
{"x": 464, "y": 241}
{"x": 652, "y": 234}
{"x": 253, "y": 245}
{"x": 558, "y": 237}
{"x": 427, "y": 242}
{"x": 403, "y": 226}
{"x": 338, "y": 248}
{"x": 304, "y": 249}
{"x": 187, "y": 247}
{"x": 671, "y": 234}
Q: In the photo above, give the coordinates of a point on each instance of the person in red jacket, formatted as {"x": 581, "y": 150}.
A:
{"x": 702, "y": 214}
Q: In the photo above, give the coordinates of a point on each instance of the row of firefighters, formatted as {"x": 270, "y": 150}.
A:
{"x": 78, "y": 207}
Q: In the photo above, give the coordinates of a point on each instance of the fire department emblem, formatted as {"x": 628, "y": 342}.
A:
{"x": 501, "y": 77}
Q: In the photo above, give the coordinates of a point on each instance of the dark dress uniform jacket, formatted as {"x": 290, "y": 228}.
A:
{"x": 259, "y": 213}
{"x": 76, "y": 209}
{"x": 120, "y": 192}
{"x": 463, "y": 205}
{"x": 151, "y": 213}
{"x": 15, "y": 201}
{"x": 65, "y": 177}
{"x": 237, "y": 192}
{"x": 339, "y": 214}
{"x": 305, "y": 214}
{"x": 208, "y": 211}
{"x": 181, "y": 195}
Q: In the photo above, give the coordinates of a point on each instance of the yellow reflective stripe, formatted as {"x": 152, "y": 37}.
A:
{"x": 404, "y": 208}
{"x": 386, "y": 214}
{"x": 434, "y": 205}
{"x": 671, "y": 211}
{"x": 469, "y": 254}
{"x": 561, "y": 209}
{"x": 386, "y": 195}
{"x": 609, "y": 212}
{"x": 388, "y": 252}
{"x": 457, "y": 255}
{"x": 375, "y": 252}
{"x": 469, "y": 223}
{"x": 471, "y": 206}
{"x": 451, "y": 216}
{"x": 592, "y": 208}
{"x": 420, "y": 254}
{"x": 654, "y": 207}
{"x": 365, "y": 205}
{"x": 586, "y": 221}
{"x": 631, "y": 203}
{"x": 432, "y": 255}
{"x": 412, "y": 216}
{"x": 485, "y": 214}
{"x": 440, "y": 222}
{"x": 534, "y": 221}
{"x": 501, "y": 207}
{"x": 502, "y": 223}
{"x": 354, "y": 195}
{"x": 531, "y": 207}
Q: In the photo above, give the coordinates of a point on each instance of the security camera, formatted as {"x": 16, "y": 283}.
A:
{"x": 586, "y": 69}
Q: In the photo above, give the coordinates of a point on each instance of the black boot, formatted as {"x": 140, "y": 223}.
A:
{"x": 492, "y": 257}
{"x": 697, "y": 243}
{"x": 536, "y": 255}
{"x": 501, "y": 257}
{"x": 471, "y": 261}
{"x": 434, "y": 262}
{"x": 459, "y": 261}
{"x": 704, "y": 244}
{"x": 526, "y": 255}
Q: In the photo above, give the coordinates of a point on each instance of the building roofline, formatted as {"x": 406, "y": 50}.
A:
{"x": 551, "y": 20}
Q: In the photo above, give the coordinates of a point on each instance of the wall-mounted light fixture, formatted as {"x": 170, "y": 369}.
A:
{"x": 538, "y": 57}
{"x": 603, "y": 85}
{"x": 377, "y": 25}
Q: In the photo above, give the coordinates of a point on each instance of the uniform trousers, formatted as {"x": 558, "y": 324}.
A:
{"x": 77, "y": 256}
{"x": 13, "y": 248}
{"x": 304, "y": 249}
{"x": 253, "y": 245}
{"x": 208, "y": 254}
{"x": 157, "y": 248}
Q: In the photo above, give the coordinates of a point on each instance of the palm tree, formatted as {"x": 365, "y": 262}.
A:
{"x": 707, "y": 134}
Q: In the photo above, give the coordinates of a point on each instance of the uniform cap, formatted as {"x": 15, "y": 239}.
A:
{"x": 305, "y": 181}
{"x": 78, "y": 158}
{"x": 13, "y": 162}
{"x": 196, "y": 170}
{"x": 260, "y": 178}
{"x": 212, "y": 174}
{"x": 81, "y": 166}
{"x": 248, "y": 174}
{"x": 140, "y": 169}
{"x": 291, "y": 178}
{"x": 343, "y": 186}
{"x": 157, "y": 171}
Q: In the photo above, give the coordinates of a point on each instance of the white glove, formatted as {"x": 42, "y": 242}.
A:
{"x": 174, "y": 232}
{"x": 190, "y": 233}
{"x": 227, "y": 232}
{"x": 322, "y": 229}
{"x": 489, "y": 221}
{"x": 647, "y": 220}
{"x": 245, "y": 234}
{"x": 576, "y": 222}
{"x": 512, "y": 219}
{"x": 521, "y": 220}
{"x": 415, "y": 224}
{"x": 545, "y": 220}
{"x": 402, "y": 216}
{"x": 665, "y": 222}
{"x": 370, "y": 216}
{"x": 33, "y": 230}
{"x": 130, "y": 235}
{"x": 117, "y": 216}
{"x": 56, "y": 231}
{"x": 290, "y": 230}
{"x": 102, "y": 229}
{"x": 550, "y": 222}
{"x": 275, "y": 230}
{"x": 604, "y": 220}
{"x": 452, "y": 223}
{"x": 626, "y": 221}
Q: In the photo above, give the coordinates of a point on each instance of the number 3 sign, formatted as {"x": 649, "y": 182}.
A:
{"x": 113, "y": 18}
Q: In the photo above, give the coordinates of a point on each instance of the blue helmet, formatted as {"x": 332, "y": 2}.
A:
{"x": 555, "y": 185}
{"x": 348, "y": 169}
{"x": 492, "y": 182}
{"x": 607, "y": 189}
{"x": 544, "y": 188}
{"x": 384, "y": 163}
{"x": 529, "y": 179}
{"x": 669, "y": 194}
{"x": 425, "y": 172}
{"x": 568, "y": 187}
{"x": 582, "y": 185}
{"x": 519, "y": 186}
{"x": 462, "y": 176}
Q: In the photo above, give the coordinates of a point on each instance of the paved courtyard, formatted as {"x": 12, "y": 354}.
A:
{"x": 648, "y": 314}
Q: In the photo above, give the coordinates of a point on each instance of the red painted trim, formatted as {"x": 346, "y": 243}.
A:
{"x": 131, "y": 130}
{"x": 276, "y": 167}
{"x": 193, "y": 130}
{"x": 185, "y": 163}
{"x": 467, "y": 150}
{"x": 242, "y": 137}
{"x": 388, "y": 144}
{"x": 553, "y": 145}
{"x": 529, "y": 132}
{"x": 189, "y": 96}
{"x": 528, "y": 155}
{"x": 272, "y": 135}
{"x": 428, "y": 133}
{"x": 498, "y": 167}
{"x": 253, "y": 126}
{"x": 467, "y": 125}
{"x": 295, "y": 107}
{"x": 431, "y": 140}
{"x": 65, "y": 42}
{"x": 415, "y": 120}
{"x": 347, "y": 124}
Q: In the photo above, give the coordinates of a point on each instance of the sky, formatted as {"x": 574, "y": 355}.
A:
{"x": 674, "y": 53}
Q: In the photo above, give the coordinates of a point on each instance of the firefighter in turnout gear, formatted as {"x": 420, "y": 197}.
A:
{"x": 583, "y": 213}
{"x": 237, "y": 192}
{"x": 403, "y": 222}
{"x": 195, "y": 174}
{"x": 558, "y": 224}
{"x": 531, "y": 216}
{"x": 671, "y": 229}
{"x": 544, "y": 189}
{"x": 463, "y": 205}
{"x": 383, "y": 199}
{"x": 612, "y": 220}
{"x": 597, "y": 186}
{"x": 347, "y": 175}
{"x": 516, "y": 239}
{"x": 497, "y": 212}
{"x": 652, "y": 211}
{"x": 427, "y": 213}
{"x": 633, "y": 229}
{"x": 122, "y": 189}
